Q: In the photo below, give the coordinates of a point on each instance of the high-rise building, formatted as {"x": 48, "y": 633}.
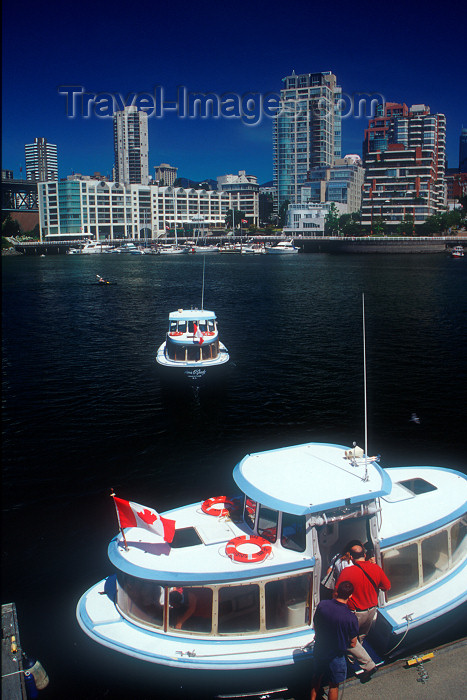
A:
{"x": 131, "y": 146}
{"x": 166, "y": 174}
{"x": 307, "y": 131}
{"x": 41, "y": 160}
{"x": 404, "y": 155}
{"x": 340, "y": 183}
{"x": 463, "y": 151}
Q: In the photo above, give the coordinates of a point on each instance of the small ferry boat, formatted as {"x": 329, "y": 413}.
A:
{"x": 126, "y": 248}
{"x": 457, "y": 252}
{"x": 170, "y": 249}
{"x": 282, "y": 248}
{"x": 239, "y": 583}
{"x": 192, "y": 344}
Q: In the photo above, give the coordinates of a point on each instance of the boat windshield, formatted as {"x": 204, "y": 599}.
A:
{"x": 250, "y": 607}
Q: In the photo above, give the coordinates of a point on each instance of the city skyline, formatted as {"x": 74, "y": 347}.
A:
{"x": 207, "y": 52}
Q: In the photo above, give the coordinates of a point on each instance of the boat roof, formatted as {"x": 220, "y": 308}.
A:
{"x": 310, "y": 478}
{"x": 149, "y": 557}
{"x": 422, "y": 500}
{"x": 191, "y": 315}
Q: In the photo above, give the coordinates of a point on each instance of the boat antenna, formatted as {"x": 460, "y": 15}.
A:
{"x": 364, "y": 389}
{"x": 202, "y": 293}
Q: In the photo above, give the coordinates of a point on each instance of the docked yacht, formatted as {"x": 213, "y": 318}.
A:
{"x": 282, "y": 248}
{"x": 90, "y": 248}
{"x": 246, "y": 569}
{"x": 192, "y": 344}
{"x": 457, "y": 252}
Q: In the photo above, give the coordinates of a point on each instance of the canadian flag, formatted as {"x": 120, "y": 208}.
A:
{"x": 197, "y": 334}
{"x": 133, "y": 515}
{"x": 244, "y": 221}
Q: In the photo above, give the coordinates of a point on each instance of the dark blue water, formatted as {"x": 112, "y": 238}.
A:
{"x": 84, "y": 408}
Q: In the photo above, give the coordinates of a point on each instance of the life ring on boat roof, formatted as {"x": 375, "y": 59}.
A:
{"x": 207, "y": 506}
{"x": 175, "y": 333}
{"x": 209, "y": 333}
{"x": 250, "y": 548}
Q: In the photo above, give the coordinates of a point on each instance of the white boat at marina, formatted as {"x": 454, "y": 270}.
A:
{"x": 192, "y": 344}
{"x": 90, "y": 248}
{"x": 204, "y": 249}
{"x": 282, "y": 248}
{"x": 126, "y": 248}
{"x": 172, "y": 249}
{"x": 249, "y": 568}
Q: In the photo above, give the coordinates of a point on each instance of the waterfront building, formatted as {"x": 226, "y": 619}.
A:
{"x": 41, "y": 160}
{"x": 244, "y": 190}
{"x": 131, "y": 146}
{"x": 307, "y": 131}
{"x": 456, "y": 185}
{"x": 463, "y": 151}
{"x": 341, "y": 183}
{"x": 100, "y": 210}
{"x": 308, "y": 219}
{"x": 165, "y": 174}
{"x": 404, "y": 157}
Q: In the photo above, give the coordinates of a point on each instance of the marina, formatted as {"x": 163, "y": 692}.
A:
{"x": 96, "y": 416}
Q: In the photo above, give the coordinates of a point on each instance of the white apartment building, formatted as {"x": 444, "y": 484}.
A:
{"x": 308, "y": 219}
{"x": 244, "y": 190}
{"x": 111, "y": 210}
{"x": 131, "y": 146}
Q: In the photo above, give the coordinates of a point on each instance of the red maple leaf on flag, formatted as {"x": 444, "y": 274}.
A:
{"x": 147, "y": 516}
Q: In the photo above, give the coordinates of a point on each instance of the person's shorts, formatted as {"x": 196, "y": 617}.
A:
{"x": 333, "y": 670}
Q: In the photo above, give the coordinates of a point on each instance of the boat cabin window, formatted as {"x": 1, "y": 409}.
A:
{"x": 435, "y": 556}
{"x": 182, "y": 326}
{"x": 409, "y": 566}
{"x": 293, "y": 535}
{"x": 400, "y": 565}
{"x": 190, "y": 609}
{"x": 211, "y": 326}
{"x": 288, "y": 602}
{"x": 267, "y": 523}
{"x": 458, "y": 540}
{"x": 202, "y": 325}
{"x": 239, "y": 609}
{"x": 190, "y": 327}
{"x": 172, "y": 326}
{"x": 418, "y": 486}
{"x": 249, "y": 513}
{"x": 140, "y": 600}
{"x": 192, "y": 353}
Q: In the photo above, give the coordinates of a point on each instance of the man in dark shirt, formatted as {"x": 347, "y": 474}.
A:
{"x": 367, "y": 579}
{"x": 336, "y": 629}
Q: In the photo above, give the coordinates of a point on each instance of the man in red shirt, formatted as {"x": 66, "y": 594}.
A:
{"x": 367, "y": 579}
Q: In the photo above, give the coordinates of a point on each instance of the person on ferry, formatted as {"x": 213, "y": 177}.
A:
{"x": 196, "y": 603}
{"x": 337, "y": 565}
{"x": 367, "y": 579}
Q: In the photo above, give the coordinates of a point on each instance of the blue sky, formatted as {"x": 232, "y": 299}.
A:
{"x": 405, "y": 51}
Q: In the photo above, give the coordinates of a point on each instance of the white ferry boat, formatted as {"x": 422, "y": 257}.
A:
{"x": 192, "y": 344}
{"x": 246, "y": 571}
{"x": 282, "y": 248}
{"x": 457, "y": 252}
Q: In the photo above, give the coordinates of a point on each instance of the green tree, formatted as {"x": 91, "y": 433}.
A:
{"x": 10, "y": 227}
{"x": 379, "y": 227}
{"x": 331, "y": 224}
{"x": 229, "y": 218}
{"x": 283, "y": 212}
{"x": 406, "y": 226}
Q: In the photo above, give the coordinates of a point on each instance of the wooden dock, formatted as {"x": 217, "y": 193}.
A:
{"x": 13, "y": 686}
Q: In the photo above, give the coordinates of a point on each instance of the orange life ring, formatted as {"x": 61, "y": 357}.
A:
{"x": 232, "y": 548}
{"x": 209, "y": 333}
{"x": 207, "y": 506}
{"x": 176, "y": 333}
